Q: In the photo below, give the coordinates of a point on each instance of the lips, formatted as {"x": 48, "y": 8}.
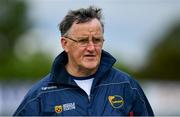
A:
{"x": 90, "y": 55}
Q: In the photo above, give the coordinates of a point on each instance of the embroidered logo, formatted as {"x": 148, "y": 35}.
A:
{"x": 116, "y": 101}
{"x": 48, "y": 88}
{"x": 58, "y": 109}
{"x": 64, "y": 107}
{"x": 69, "y": 106}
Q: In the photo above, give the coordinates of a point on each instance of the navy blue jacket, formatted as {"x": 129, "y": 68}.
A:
{"x": 113, "y": 93}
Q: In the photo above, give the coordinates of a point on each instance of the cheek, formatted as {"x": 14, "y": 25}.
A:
{"x": 99, "y": 51}
{"x": 99, "y": 55}
{"x": 78, "y": 53}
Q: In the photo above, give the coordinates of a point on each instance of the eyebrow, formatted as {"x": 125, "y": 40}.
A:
{"x": 95, "y": 36}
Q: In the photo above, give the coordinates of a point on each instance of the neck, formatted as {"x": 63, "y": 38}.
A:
{"x": 79, "y": 71}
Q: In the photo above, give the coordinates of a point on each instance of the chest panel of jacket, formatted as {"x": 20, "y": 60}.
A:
{"x": 107, "y": 99}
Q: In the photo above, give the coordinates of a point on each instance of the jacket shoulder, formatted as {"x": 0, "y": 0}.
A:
{"x": 37, "y": 87}
{"x": 31, "y": 101}
{"x": 120, "y": 76}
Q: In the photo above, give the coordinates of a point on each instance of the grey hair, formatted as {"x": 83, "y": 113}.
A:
{"x": 80, "y": 16}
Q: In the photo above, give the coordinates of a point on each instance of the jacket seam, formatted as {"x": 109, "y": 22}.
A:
{"x": 39, "y": 95}
{"x": 123, "y": 83}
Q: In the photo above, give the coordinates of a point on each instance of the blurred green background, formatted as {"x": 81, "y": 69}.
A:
{"x": 13, "y": 24}
{"x": 163, "y": 61}
{"x": 20, "y": 62}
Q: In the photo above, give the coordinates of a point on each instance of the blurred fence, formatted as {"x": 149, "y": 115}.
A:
{"x": 11, "y": 94}
{"x": 163, "y": 96}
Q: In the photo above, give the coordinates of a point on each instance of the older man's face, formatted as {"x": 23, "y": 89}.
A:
{"x": 86, "y": 53}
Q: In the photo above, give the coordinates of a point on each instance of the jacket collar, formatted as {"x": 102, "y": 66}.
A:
{"x": 60, "y": 75}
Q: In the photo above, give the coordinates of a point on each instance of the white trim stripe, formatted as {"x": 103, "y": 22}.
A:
{"x": 39, "y": 95}
{"x": 76, "y": 88}
{"x": 122, "y": 83}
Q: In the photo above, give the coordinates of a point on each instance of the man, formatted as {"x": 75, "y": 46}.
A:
{"x": 82, "y": 81}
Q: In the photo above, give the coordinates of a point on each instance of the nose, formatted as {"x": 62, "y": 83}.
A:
{"x": 90, "y": 46}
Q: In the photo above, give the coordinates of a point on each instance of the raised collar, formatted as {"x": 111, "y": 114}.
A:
{"x": 60, "y": 75}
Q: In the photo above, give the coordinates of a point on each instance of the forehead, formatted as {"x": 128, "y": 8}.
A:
{"x": 92, "y": 27}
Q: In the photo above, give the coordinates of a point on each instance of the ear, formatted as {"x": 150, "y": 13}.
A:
{"x": 64, "y": 44}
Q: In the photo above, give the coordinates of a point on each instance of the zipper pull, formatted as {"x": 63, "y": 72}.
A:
{"x": 89, "y": 97}
{"x": 131, "y": 114}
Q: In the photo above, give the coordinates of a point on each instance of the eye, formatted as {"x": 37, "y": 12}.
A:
{"x": 97, "y": 40}
{"x": 83, "y": 40}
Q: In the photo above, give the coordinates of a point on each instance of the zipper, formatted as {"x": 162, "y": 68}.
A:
{"x": 89, "y": 98}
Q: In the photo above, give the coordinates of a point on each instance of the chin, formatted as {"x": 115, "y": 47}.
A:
{"x": 91, "y": 66}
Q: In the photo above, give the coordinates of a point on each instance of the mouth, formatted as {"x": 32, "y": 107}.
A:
{"x": 90, "y": 56}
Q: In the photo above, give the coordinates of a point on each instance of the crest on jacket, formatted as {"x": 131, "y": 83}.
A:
{"x": 64, "y": 107}
{"x": 116, "y": 101}
{"x": 58, "y": 109}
